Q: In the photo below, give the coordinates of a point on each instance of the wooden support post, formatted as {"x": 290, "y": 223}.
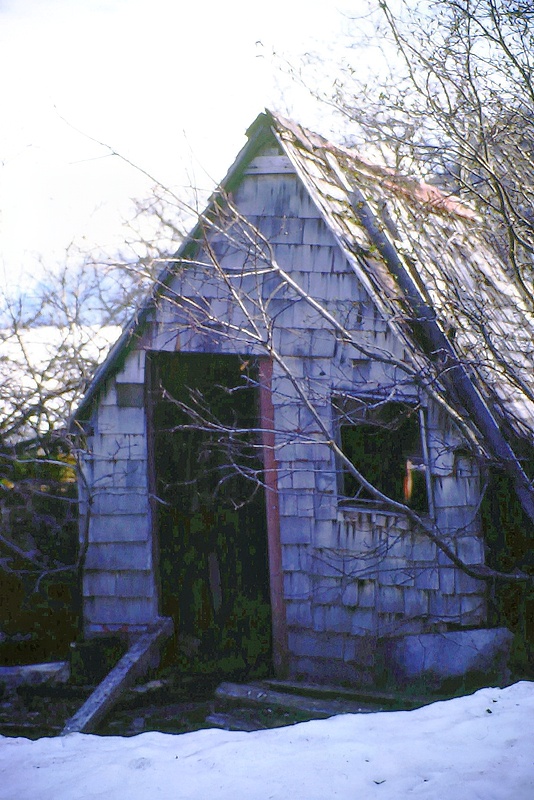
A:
{"x": 278, "y": 609}
{"x": 133, "y": 664}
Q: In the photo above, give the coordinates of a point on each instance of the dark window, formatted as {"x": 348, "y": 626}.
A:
{"x": 383, "y": 441}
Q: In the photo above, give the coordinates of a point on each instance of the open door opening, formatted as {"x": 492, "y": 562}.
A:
{"x": 210, "y": 513}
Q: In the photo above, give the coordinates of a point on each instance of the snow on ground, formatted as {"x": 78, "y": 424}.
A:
{"x": 477, "y": 747}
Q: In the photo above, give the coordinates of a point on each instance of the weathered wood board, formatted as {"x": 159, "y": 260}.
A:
{"x": 131, "y": 666}
{"x": 260, "y": 695}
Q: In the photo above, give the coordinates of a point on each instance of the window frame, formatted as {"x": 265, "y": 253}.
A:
{"x": 369, "y": 405}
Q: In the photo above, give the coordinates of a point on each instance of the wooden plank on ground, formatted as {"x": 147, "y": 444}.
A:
{"x": 133, "y": 664}
{"x": 33, "y": 674}
{"x": 371, "y": 696}
{"x": 232, "y": 722}
{"x": 261, "y": 695}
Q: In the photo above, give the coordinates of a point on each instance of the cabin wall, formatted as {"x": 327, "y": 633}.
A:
{"x": 118, "y": 582}
{"x": 352, "y": 575}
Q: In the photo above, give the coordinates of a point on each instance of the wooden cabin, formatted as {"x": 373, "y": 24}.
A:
{"x": 284, "y": 451}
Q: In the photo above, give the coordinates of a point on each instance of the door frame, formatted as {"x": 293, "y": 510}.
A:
{"x": 274, "y": 548}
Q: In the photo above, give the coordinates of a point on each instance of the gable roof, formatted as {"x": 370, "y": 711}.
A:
{"x": 449, "y": 267}
{"x": 423, "y": 257}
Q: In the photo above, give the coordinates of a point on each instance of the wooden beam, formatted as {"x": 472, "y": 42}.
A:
{"x": 35, "y": 674}
{"x": 261, "y": 695}
{"x": 133, "y": 664}
{"x": 270, "y": 469}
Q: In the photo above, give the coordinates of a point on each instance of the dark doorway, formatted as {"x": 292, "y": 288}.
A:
{"x": 210, "y": 512}
{"x": 508, "y": 538}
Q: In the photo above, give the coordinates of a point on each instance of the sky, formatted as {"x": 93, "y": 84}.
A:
{"x": 171, "y": 86}
{"x": 479, "y": 747}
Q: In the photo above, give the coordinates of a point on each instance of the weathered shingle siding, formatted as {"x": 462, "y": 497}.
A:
{"x": 350, "y": 574}
{"x": 119, "y": 585}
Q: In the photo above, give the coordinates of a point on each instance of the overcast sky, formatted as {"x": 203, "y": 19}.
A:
{"x": 170, "y": 85}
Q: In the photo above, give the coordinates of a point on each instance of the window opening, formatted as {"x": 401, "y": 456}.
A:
{"x": 384, "y": 442}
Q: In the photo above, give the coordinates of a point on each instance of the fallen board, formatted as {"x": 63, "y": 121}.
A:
{"x": 131, "y": 666}
{"x": 232, "y": 722}
{"x": 34, "y": 674}
{"x": 251, "y": 694}
{"x": 372, "y": 697}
